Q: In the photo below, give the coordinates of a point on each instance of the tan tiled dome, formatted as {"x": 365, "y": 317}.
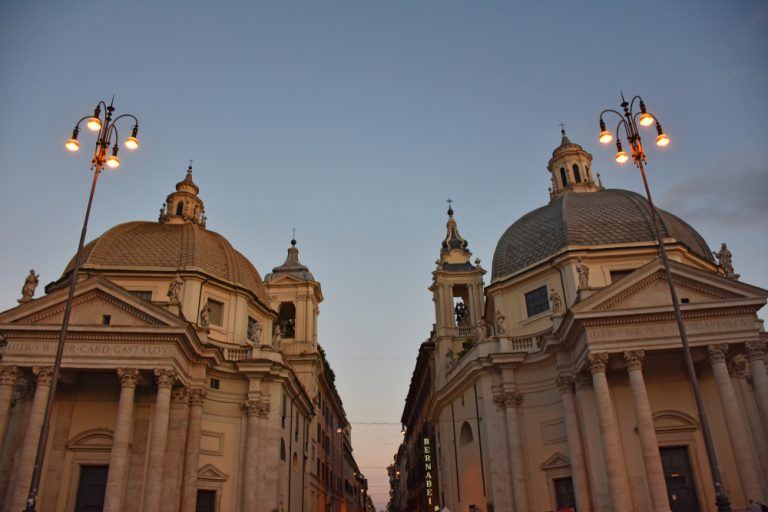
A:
{"x": 170, "y": 247}
{"x": 594, "y": 218}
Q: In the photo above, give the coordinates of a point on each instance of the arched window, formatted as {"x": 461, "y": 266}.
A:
{"x": 564, "y": 176}
{"x": 576, "y": 173}
{"x": 287, "y": 319}
{"x": 180, "y": 208}
{"x": 282, "y": 449}
{"x": 465, "y": 436}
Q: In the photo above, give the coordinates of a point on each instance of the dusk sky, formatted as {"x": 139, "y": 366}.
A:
{"x": 354, "y": 121}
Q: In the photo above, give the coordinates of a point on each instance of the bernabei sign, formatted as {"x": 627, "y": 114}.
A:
{"x": 429, "y": 480}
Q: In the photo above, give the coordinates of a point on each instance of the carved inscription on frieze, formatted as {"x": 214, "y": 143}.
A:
{"x": 704, "y": 326}
{"x": 90, "y": 349}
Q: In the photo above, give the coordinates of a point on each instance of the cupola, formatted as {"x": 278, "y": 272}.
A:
{"x": 570, "y": 169}
{"x": 454, "y": 253}
{"x": 184, "y": 205}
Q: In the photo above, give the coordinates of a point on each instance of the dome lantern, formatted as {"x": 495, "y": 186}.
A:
{"x": 570, "y": 168}
{"x": 184, "y": 205}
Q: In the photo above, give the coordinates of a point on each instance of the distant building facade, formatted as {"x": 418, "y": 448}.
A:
{"x": 561, "y": 384}
{"x": 188, "y": 382}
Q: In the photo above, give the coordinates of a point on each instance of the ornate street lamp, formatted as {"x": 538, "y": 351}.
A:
{"x": 628, "y": 121}
{"x": 100, "y": 121}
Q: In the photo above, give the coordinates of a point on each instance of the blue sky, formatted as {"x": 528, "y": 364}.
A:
{"x": 354, "y": 120}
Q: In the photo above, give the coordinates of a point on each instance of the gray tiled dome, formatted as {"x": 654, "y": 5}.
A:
{"x": 593, "y": 218}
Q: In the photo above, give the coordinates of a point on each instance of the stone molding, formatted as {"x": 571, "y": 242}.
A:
{"x": 508, "y": 399}
{"x": 597, "y": 362}
{"x": 755, "y": 350}
{"x": 716, "y": 353}
{"x": 43, "y": 374}
{"x": 165, "y": 378}
{"x": 8, "y": 375}
{"x": 88, "y": 297}
{"x": 128, "y": 377}
{"x": 634, "y": 359}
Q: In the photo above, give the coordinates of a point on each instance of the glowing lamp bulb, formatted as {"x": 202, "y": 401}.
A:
{"x": 605, "y": 137}
{"x": 662, "y": 140}
{"x": 646, "y": 119}
{"x": 113, "y": 162}
{"x": 72, "y": 145}
{"x": 93, "y": 124}
{"x": 131, "y": 143}
{"x": 622, "y": 157}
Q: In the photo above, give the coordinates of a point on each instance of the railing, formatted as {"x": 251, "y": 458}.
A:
{"x": 237, "y": 354}
{"x": 524, "y": 343}
{"x": 465, "y": 332}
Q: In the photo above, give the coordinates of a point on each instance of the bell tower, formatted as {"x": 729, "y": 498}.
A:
{"x": 457, "y": 291}
{"x": 295, "y": 295}
{"x": 570, "y": 169}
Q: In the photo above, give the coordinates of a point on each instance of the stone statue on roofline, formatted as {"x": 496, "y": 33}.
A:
{"x": 28, "y": 289}
{"x": 500, "y": 323}
{"x": 583, "y": 272}
{"x": 277, "y": 337}
{"x": 205, "y": 316}
{"x": 174, "y": 290}
{"x": 725, "y": 259}
{"x": 554, "y": 300}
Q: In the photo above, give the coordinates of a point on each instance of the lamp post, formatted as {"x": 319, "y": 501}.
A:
{"x": 628, "y": 121}
{"x": 102, "y": 122}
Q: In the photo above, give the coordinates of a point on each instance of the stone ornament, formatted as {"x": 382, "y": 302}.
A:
{"x": 255, "y": 334}
{"x": 725, "y": 259}
{"x": 598, "y": 363}
{"x": 500, "y": 323}
{"x": 508, "y": 399}
{"x": 565, "y": 383}
{"x": 205, "y": 315}
{"x": 196, "y": 396}
{"x": 277, "y": 337}
{"x": 128, "y": 377}
{"x": 634, "y": 359}
{"x": 44, "y": 375}
{"x": 8, "y": 375}
{"x": 165, "y": 378}
{"x": 716, "y": 353}
{"x": 755, "y": 350}
{"x": 554, "y": 300}
{"x": 583, "y": 272}
{"x": 174, "y": 290}
{"x": 251, "y": 407}
{"x": 450, "y": 361}
{"x": 28, "y": 289}
{"x": 737, "y": 367}
{"x": 180, "y": 395}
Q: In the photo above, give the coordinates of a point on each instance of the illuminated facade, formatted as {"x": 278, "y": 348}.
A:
{"x": 188, "y": 382}
{"x": 561, "y": 384}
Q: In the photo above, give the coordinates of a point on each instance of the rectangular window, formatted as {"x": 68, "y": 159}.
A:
{"x": 537, "y": 301}
{"x": 206, "y": 501}
{"x": 251, "y": 329}
{"x": 217, "y": 312}
{"x": 106, "y": 319}
{"x": 215, "y": 384}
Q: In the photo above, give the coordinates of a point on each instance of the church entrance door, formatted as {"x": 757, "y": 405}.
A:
{"x": 679, "y": 478}
{"x": 91, "y": 488}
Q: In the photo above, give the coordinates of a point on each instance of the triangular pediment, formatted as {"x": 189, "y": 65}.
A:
{"x": 647, "y": 287}
{"x": 556, "y": 461}
{"x": 211, "y": 472}
{"x": 94, "y": 299}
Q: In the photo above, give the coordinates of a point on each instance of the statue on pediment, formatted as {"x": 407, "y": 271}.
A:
{"x": 28, "y": 289}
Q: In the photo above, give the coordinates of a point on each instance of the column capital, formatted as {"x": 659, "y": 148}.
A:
{"x": 180, "y": 395}
{"x": 582, "y": 381}
{"x": 737, "y": 367}
{"x": 755, "y": 349}
{"x": 128, "y": 377}
{"x": 508, "y": 399}
{"x": 8, "y": 375}
{"x": 716, "y": 353}
{"x": 196, "y": 396}
{"x": 634, "y": 359}
{"x": 251, "y": 407}
{"x": 598, "y": 362}
{"x": 565, "y": 382}
{"x": 264, "y": 408}
{"x": 44, "y": 375}
{"x": 165, "y": 378}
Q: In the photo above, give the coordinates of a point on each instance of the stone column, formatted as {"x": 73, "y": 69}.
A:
{"x": 612, "y": 448}
{"x": 174, "y": 452}
{"x": 121, "y": 440}
{"x": 654, "y": 472}
{"x": 734, "y": 421}
{"x": 250, "y": 472}
{"x": 512, "y": 401}
{"x": 192, "y": 455}
{"x": 575, "y": 448}
{"x": 154, "y": 481}
{"x": 8, "y": 375}
{"x": 755, "y": 353}
{"x": 26, "y": 459}
{"x": 739, "y": 375}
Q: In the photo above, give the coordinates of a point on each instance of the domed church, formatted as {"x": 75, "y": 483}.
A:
{"x": 189, "y": 383}
{"x": 561, "y": 384}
